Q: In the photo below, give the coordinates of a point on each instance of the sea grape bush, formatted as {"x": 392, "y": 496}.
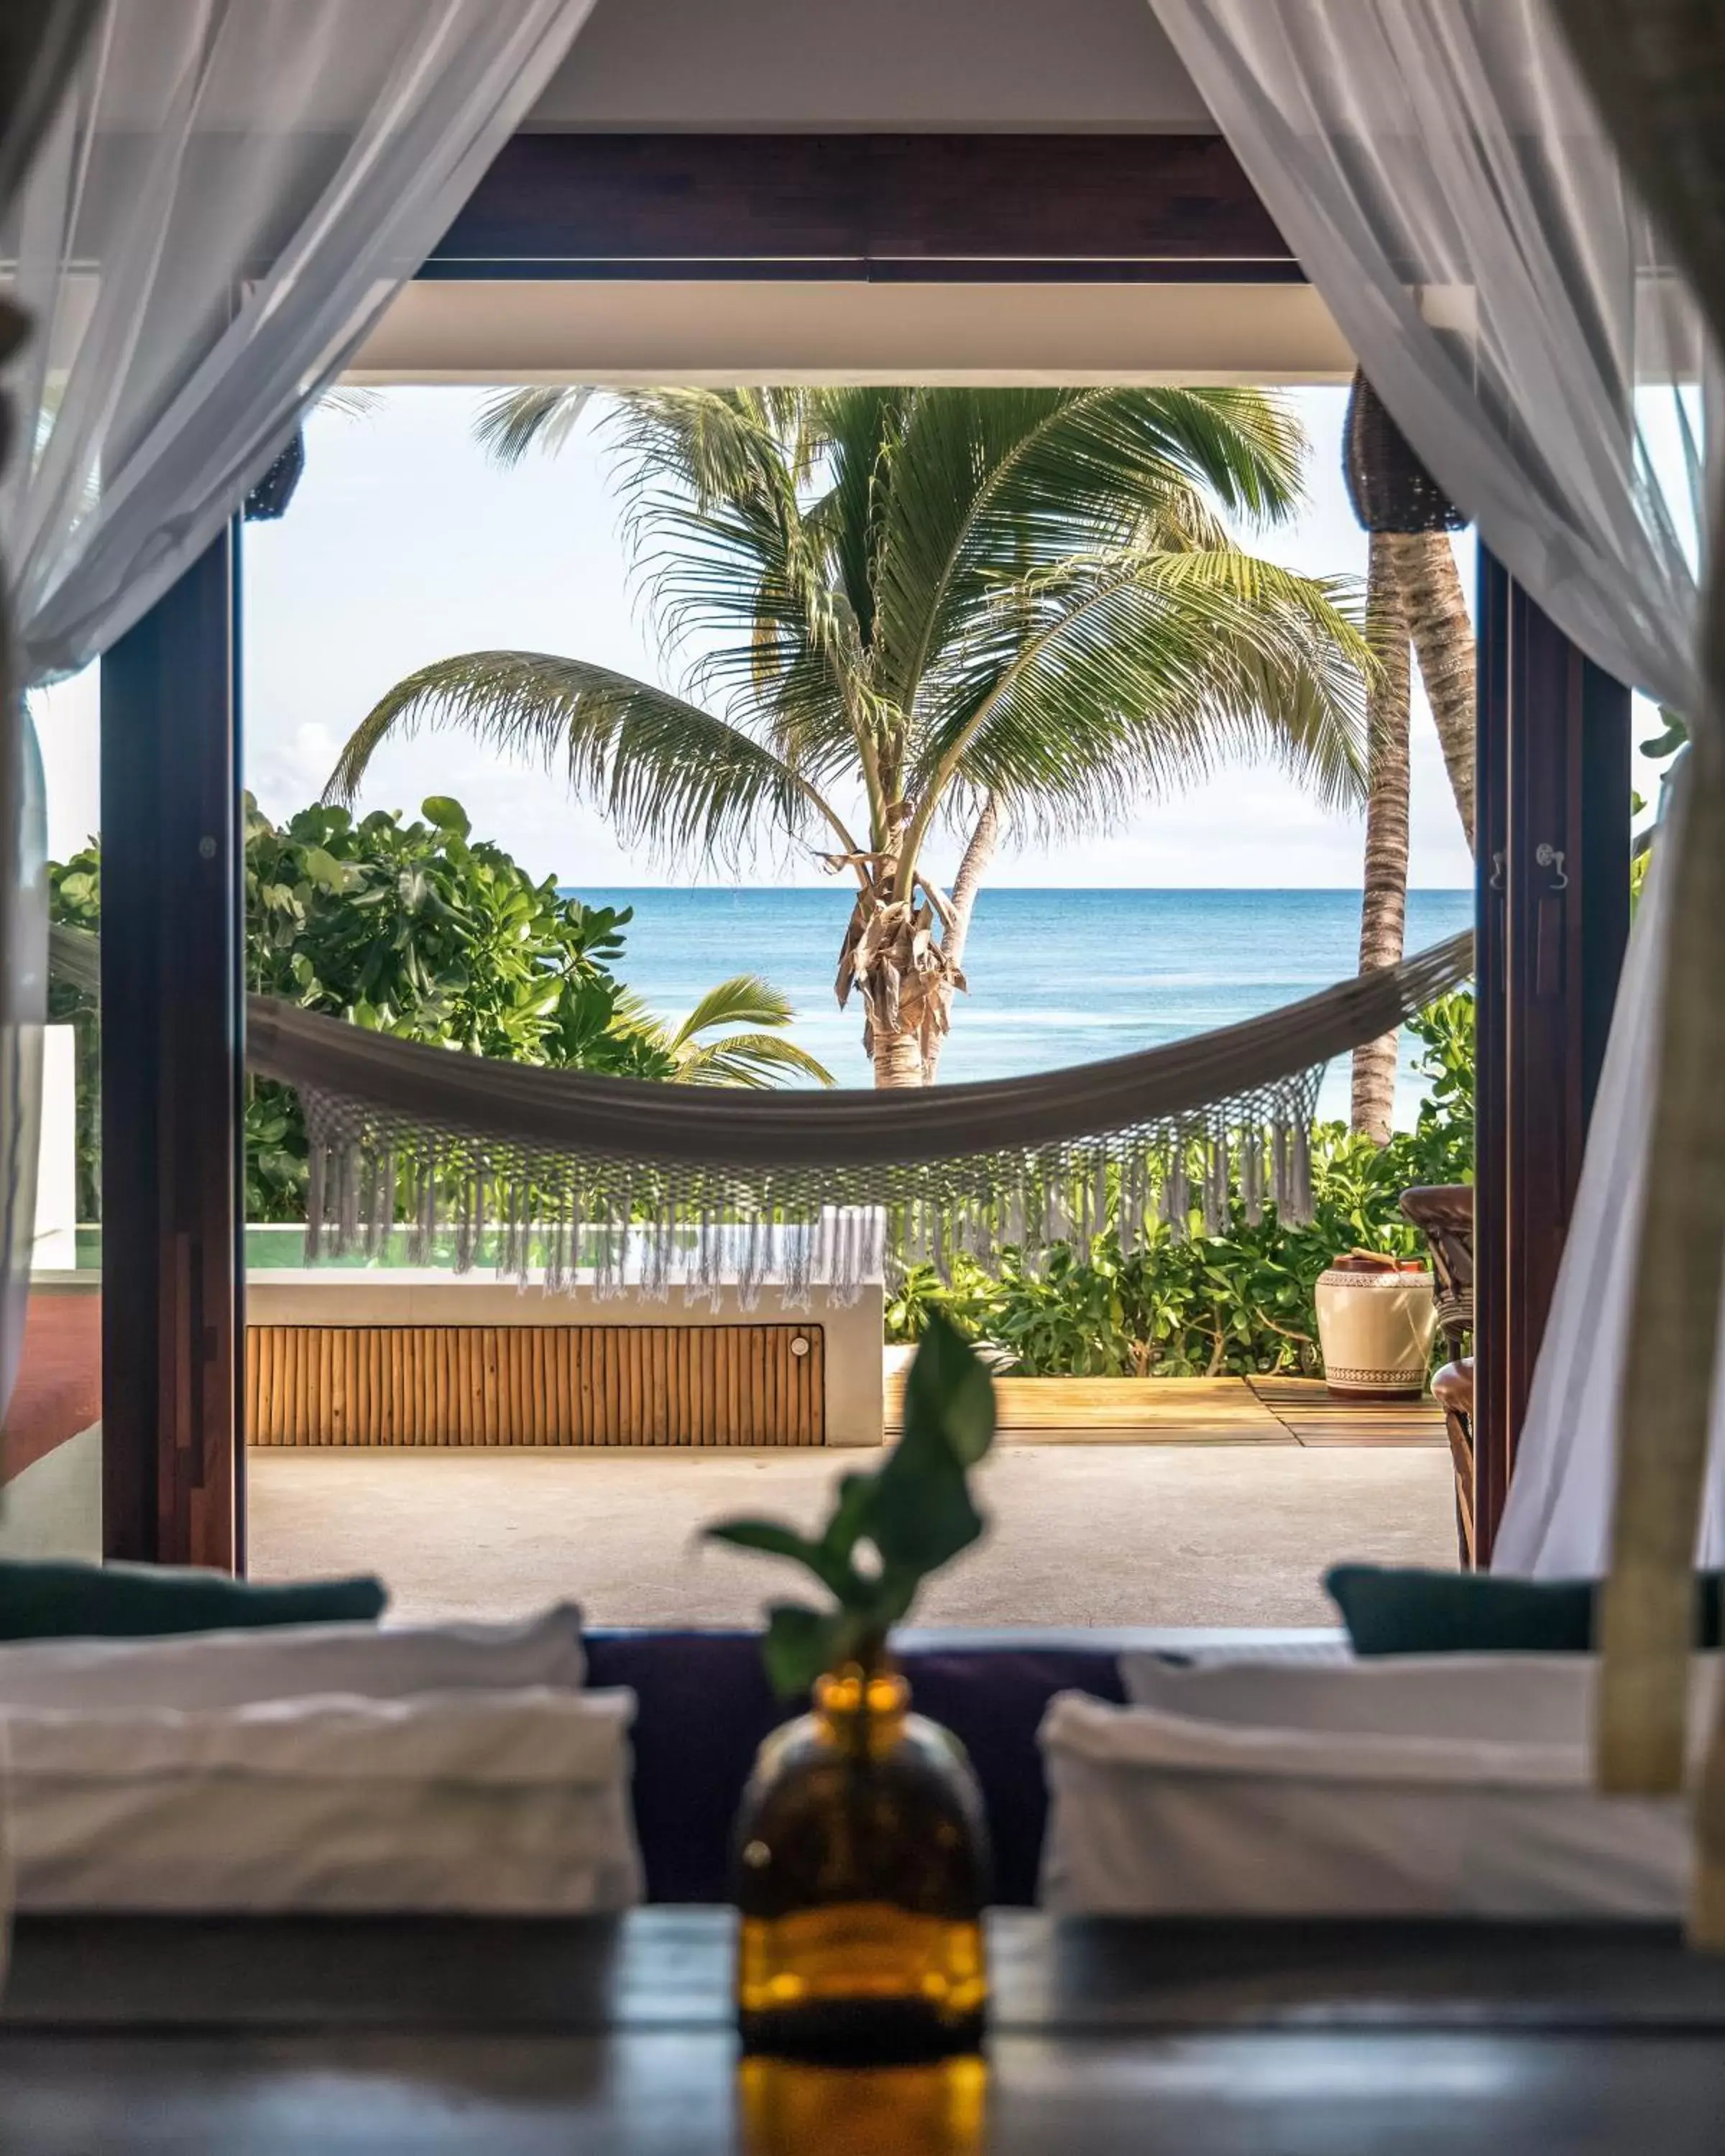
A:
{"x": 411, "y": 927}
{"x": 1232, "y": 1305}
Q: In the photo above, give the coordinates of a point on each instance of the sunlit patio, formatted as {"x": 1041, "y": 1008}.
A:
{"x": 1082, "y": 1534}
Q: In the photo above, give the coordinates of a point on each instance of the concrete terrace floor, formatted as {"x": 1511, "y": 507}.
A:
{"x": 1107, "y": 1534}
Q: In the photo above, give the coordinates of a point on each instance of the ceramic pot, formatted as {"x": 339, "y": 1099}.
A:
{"x": 1375, "y": 1329}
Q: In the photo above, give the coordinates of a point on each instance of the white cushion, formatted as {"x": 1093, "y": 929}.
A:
{"x": 478, "y": 1802}
{"x": 211, "y": 1669}
{"x": 1457, "y": 1786}
{"x": 1544, "y": 1698}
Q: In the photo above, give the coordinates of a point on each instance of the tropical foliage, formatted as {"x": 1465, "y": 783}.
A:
{"x": 1234, "y": 1304}
{"x": 419, "y": 930}
{"x": 914, "y": 616}
{"x": 416, "y": 929}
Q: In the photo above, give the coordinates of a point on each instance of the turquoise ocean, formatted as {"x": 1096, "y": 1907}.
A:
{"x": 1056, "y": 977}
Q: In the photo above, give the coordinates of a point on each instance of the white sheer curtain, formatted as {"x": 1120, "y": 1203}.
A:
{"x": 229, "y": 196}
{"x": 1441, "y": 172}
{"x": 1558, "y": 1519}
{"x": 37, "y": 55}
{"x": 229, "y": 193}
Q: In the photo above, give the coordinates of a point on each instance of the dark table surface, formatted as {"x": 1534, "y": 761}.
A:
{"x": 261, "y": 2036}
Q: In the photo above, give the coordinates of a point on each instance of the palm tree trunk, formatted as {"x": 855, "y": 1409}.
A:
{"x": 1383, "y": 909}
{"x": 898, "y": 1059}
{"x": 1438, "y": 621}
{"x": 968, "y": 881}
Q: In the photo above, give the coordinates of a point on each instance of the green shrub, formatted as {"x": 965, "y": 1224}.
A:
{"x": 412, "y": 928}
{"x": 1237, "y": 1304}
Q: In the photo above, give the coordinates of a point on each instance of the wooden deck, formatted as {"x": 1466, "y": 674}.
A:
{"x": 1192, "y": 1411}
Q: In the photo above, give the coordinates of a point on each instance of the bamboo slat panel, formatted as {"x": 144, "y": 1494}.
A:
{"x": 535, "y": 1384}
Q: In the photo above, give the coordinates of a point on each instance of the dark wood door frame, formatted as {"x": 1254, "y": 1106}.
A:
{"x": 1142, "y": 207}
{"x": 1038, "y": 208}
{"x": 1553, "y": 836}
{"x": 172, "y": 1288}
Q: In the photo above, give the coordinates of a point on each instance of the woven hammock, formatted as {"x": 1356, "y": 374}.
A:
{"x": 639, "y": 1184}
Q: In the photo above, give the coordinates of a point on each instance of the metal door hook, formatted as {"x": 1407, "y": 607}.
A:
{"x": 1549, "y": 856}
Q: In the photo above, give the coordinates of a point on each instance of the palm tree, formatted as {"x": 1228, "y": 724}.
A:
{"x": 1441, "y": 628}
{"x": 1413, "y": 593}
{"x": 759, "y": 1057}
{"x": 919, "y": 614}
{"x": 1384, "y": 901}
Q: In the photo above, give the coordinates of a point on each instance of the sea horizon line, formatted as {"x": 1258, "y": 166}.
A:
{"x": 1063, "y": 889}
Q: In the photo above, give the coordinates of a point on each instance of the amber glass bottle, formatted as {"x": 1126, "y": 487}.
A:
{"x": 791, "y": 2107}
{"x": 861, "y": 1875}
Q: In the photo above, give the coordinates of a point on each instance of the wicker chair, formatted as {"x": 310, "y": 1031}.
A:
{"x": 1443, "y": 1213}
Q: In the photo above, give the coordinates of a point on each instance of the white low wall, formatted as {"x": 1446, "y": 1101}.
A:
{"x": 856, "y": 1390}
{"x": 55, "y": 1246}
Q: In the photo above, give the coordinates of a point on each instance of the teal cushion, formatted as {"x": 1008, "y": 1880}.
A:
{"x": 59, "y": 1600}
{"x": 1396, "y": 1610}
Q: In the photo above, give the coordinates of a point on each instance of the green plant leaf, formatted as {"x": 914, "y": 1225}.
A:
{"x": 774, "y": 1539}
{"x": 800, "y": 1644}
{"x": 922, "y": 1515}
{"x": 949, "y": 1391}
{"x": 851, "y": 1518}
{"x": 445, "y": 813}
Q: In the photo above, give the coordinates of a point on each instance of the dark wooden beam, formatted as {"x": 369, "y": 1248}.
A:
{"x": 946, "y": 207}
{"x": 170, "y": 1074}
{"x": 1490, "y": 1325}
{"x": 1554, "y": 844}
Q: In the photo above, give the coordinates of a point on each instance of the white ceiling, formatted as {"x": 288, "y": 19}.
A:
{"x": 912, "y": 66}
{"x": 885, "y": 66}
{"x": 615, "y": 330}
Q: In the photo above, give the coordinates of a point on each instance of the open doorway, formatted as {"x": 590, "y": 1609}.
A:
{"x": 1175, "y": 1459}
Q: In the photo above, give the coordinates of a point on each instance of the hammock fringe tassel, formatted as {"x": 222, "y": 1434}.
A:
{"x": 555, "y": 1177}
{"x": 633, "y": 1228}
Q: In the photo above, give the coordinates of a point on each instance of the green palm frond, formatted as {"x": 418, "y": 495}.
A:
{"x": 745, "y": 999}
{"x": 514, "y": 421}
{"x": 735, "y": 570}
{"x": 987, "y": 483}
{"x": 756, "y": 1059}
{"x": 707, "y": 445}
{"x": 1128, "y": 675}
{"x": 661, "y": 768}
{"x": 348, "y": 400}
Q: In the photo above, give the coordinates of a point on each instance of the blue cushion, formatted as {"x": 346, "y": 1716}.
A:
{"x": 55, "y": 1599}
{"x": 705, "y": 1705}
{"x": 1402, "y": 1610}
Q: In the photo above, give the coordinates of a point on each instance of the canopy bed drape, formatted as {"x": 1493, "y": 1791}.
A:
{"x": 210, "y": 213}
{"x": 1443, "y": 170}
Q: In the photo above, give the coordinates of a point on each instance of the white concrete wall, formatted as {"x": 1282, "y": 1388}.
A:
{"x": 855, "y": 1386}
{"x": 614, "y": 330}
{"x": 55, "y": 1246}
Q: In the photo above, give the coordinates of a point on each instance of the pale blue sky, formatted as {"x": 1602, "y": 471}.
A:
{"x": 405, "y": 545}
